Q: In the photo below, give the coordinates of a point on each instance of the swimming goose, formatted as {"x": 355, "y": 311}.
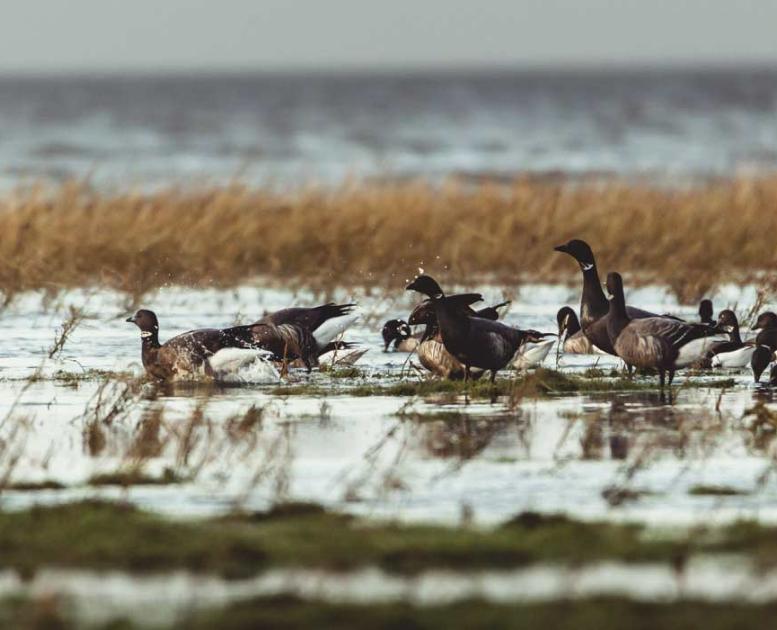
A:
{"x": 474, "y": 341}
{"x": 398, "y": 331}
{"x": 733, "y": 353}
{"x": 593, "y": 304}
{"x": 207, "y": 350}
{"x": 431, "y": 351}
{"x": 574, "y": 341}
{"x": 705, "y": 312}
{"x": 648, "y": 342}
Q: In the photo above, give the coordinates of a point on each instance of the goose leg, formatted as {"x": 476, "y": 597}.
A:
{"x": 671, "y": 376}
{"x": 493, "y": 377}
{"x": 661, "y": 377}
{"x": 466, "y": 374}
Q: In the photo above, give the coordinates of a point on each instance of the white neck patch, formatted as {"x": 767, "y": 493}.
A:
{"x": 145, "y": 333}
{"x": 587, "y": 266}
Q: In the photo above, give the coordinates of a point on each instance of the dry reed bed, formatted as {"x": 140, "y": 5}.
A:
{"x": 378, "y": 234}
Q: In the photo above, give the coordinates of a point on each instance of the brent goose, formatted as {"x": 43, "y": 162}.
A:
{"x": 733, "y": 353}
{"x": 765, "y": 343}
{"x": 474, "y": 341}
{"x": 649, "y": 342}
{"x": 397, "y": 331}
{"x": 325, "y": 323}
{"x": 431, "y": 351}
{"x": 574, "y": 341}
{"x": 705, "y": 312}
{"x": 593, "y": 305}
{"x": 194, "y": 352}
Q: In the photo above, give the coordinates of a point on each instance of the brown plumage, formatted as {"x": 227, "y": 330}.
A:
{"x": 189, "y": 353}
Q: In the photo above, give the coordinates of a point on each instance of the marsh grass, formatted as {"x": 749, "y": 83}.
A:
{"x": 135, "y": 242}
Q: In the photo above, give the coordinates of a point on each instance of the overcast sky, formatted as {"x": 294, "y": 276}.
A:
{"x": 191, "y": 35}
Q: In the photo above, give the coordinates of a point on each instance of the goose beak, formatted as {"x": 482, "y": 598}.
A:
{"x": 562, "y": 248}
{"x": 130, "y": 320}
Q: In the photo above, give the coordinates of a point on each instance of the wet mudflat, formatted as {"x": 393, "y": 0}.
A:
{"x": 380, "y": 443}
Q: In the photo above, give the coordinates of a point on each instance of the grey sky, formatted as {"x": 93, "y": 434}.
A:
{"x": 106, "y": 35}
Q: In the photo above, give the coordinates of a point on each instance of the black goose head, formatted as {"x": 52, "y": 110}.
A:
{"x": 146, "y": 321}
{"x": 705, "y": 311}
{"x": 762, "y": 357}
{"x": 426, "y": 285}
{"x": 394, "y": 330}
{"x": 580, "y": 251}
{"x": 614, "y": 285}
{"x": 766, "y": 320}
{"x": 422, "y": 314}
{"x": 565, "y": 316}
{"x": 727, "y": 320}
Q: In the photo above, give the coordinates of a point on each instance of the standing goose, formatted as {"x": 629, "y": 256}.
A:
{"x": 431, "y": 351}
{"x": 765, "y": 343}
{"x": 474, "y": 341}
{"x": 649, "y": 342}
{"x": 207, "y": 350}
{"x": 574, "y": 341}
{"x": 733, "y": 353}
{"x": 593, "y": 304}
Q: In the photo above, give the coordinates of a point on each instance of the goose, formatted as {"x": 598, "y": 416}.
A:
{"x": 474, "y": 341}
{"x": 397, "y": 331}
{"x": 648, "y": 342}
{"x": 705, "y": 312}
{"x": 207, "y": 350}
{"x": 765, "y": 343}
{"x": 325, "y": 323}
{"x": 431, "y": 351}
{"x": 593, "y": 304}
{"x": 574, "y": 341}
{"x": 733, "y": 353}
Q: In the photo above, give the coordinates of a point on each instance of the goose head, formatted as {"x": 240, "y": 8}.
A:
{"x": 564, "y": 318}
{"x": 426, "y": 285}
{"x": 422, "y": 314}
{"x": 765, "y": 320}
{"x": 580, "y": 251}
{"x": 614, "y": 284}
{"x": 727, "y": 321}
{"x": 147, "y": 322}
{"x": 705, "y": 311}
{"x": 394, "y": 330}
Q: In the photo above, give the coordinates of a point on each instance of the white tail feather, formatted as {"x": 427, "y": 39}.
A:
{"x": 332, "y": 328}
{"x": 243, "y": 365}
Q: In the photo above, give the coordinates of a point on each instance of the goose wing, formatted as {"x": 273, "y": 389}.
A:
{"x": 310, "y": 318}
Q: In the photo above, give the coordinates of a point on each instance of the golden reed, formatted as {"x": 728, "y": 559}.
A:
{"x": 378, "y": 234}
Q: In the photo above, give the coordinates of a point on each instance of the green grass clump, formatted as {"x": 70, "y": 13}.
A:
{"x": 135, "y": 477}
{"x": 717, "y": 491}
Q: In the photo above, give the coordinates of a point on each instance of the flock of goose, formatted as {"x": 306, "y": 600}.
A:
{"x": 459, "y": 342}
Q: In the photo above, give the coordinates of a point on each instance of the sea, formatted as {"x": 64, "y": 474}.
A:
{"x": 288, "y": 130}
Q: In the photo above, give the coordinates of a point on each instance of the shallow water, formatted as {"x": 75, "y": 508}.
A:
{"x": 626, "y": 455}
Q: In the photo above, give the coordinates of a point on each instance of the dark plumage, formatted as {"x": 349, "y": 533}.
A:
{"x": 593, "y": 304}
{"x": 190, "y": 353}
{"x": 574, "y": 341}
{"x": 731, "y": 353}
{"x": 431, "y": 350}
{"x": 474, "y": 341}
{"x": 765, "y": 343}
{"x": 397, "y": 331}
{"x": 312, "y": 320}
{"x": 706, "y": 312}
{"x": 648, "y": 342}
